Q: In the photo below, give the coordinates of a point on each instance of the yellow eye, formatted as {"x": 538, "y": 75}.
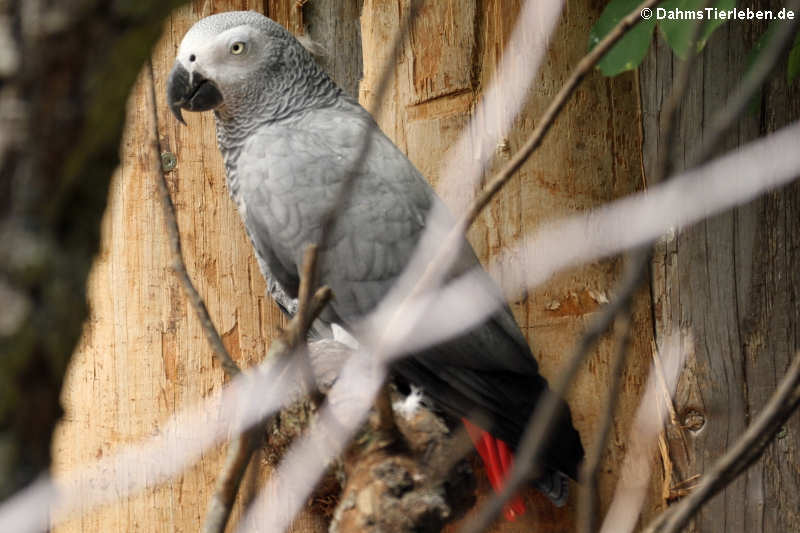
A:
{"x": 237, "y": 48}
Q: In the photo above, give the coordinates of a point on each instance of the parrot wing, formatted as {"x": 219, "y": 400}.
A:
{"x": 290, "y": 177}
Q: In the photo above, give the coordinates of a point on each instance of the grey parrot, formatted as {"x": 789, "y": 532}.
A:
{"x": 289, "y": 137}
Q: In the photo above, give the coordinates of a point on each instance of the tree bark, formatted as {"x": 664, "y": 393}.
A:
{"x": 335, "y": 25}
{"x": 732, "y": 283}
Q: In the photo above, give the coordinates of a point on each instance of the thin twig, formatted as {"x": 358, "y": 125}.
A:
{"x": 442, "y": 260}
{"x": 239, "y": 453}
{"x": 783, "y": 403}
{"x": 242, "y": 448}
{"x": 307, "y": 283}
{"x": 544, "y": 124}
{"x": 586, "y": 506}
{"x": 301, "y": 322}
{"x": 385, "y": 423}
{"x": 178, "y": 265}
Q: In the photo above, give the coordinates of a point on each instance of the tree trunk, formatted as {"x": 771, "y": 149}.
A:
{"x": 730, "y": 282}
{"x": 143, "y": 356}
{"x": 592, "y": 155}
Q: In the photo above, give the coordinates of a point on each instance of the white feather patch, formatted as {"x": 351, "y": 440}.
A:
{"x": 408, "y": 406}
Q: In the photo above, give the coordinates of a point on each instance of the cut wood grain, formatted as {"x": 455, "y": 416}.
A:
{"x": 143, "y": 355}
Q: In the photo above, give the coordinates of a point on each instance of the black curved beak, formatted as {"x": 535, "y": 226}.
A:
{"x": 193, "y": 93}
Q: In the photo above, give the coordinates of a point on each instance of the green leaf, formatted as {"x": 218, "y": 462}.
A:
{"x": 678, "y": 33}
{"x": 631, "y": 49}
{"x": 793, "y": 66}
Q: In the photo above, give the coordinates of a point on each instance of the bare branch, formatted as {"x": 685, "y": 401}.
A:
{"x": 219, "y": 509}
{"x": 582, "y": 69}
{"x": 178, "y": 265}
{"x": 308, "y": 280}
{"x": 320, "y": 299}
{"x": 444, "y": 255}
{"x": 291, "y": 341}
{"x": 587, "y": 522}
{"x": 385, "y": 422}
{"x": 783, "y": 403}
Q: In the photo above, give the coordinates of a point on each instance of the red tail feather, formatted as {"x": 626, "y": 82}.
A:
{"x": 498, "y": 460}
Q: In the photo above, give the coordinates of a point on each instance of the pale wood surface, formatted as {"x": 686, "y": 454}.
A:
{"x": 143, "y": 355}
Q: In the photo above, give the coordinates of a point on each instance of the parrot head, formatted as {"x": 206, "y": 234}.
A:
{"x": 231, "y": 61}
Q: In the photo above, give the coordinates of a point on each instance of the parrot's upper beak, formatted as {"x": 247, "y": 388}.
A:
{"x": 192, "y": 92}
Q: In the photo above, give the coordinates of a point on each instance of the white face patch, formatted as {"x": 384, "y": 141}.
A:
{"x": 220, "y": 57}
